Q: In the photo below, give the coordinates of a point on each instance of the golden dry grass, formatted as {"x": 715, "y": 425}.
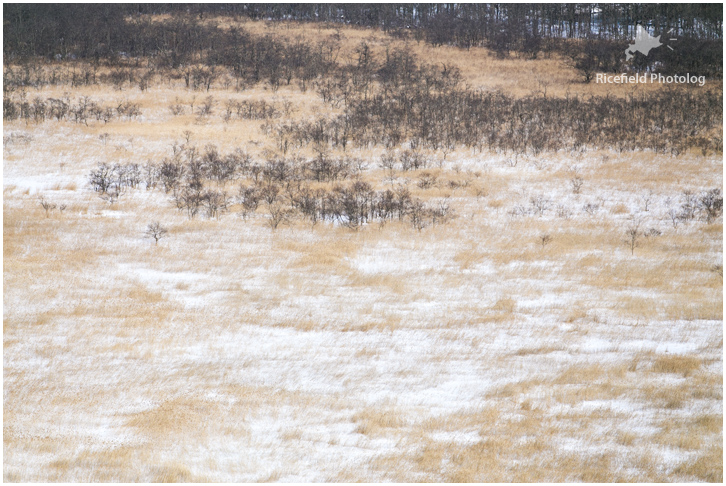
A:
{"x": 707, "y": 467}
{"x": 465, "y": 352}
{"x": 684, "y": 365}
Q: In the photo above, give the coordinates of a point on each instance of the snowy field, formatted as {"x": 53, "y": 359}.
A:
{"x": 468, "y": 351}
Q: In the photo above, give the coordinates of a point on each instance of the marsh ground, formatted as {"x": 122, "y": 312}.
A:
{"x": 468, "y": 351}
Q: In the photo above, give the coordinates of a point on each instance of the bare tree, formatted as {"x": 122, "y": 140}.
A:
{"x": 279, "y": 215}
{"x": 206, "y": 108}
{"x": 576, "y": 183}
{"x": 564, "y": 212}
{"x": 441, "y": 212}
{"x": 102, "y": 178}
{"x": 633, "y": 235}
{"x": 674, "y": 216}
{"x": 216, "y": 203}
{"x": 156, "y": 231}
{"x": 249, "y": 199}
{"x": 112, "y": 195}
{"x": 544, "y": 239}
{"x": 591, "y": 208}
{"x": 176, "y": 108}
{"x": 48, "y": 206}
{"x": 689, "y": 206}
{"x": 540, "y": 204}
{"x": 711, "y": 202}
{"x": 419, "y": 214}
{"x": 426, "y": 180}
{"x": 718, "y": 270}
{"x": 647, "y": 198}
{"x": 388, "y": 164}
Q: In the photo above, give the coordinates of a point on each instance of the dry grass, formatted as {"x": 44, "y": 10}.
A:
{"x": 683, "y": 365}
{"x": 707, "y": 467}
{"x": 538, "y": 350}
{"x": 464, "y": 352}
{"x": 375, "y": 421}
{"x": 174, "y": 417}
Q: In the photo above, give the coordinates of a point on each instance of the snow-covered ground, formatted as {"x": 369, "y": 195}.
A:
{"x": 467, "y": 351}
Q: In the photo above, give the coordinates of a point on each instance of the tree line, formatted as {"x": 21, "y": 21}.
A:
{"x": 81, "y": 110}
{"x": 114, "y": 32}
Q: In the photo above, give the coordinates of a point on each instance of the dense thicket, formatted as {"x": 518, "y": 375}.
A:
{"x": 397, "y": 100}
{"x": 662, "y": 122}
{"x": 285, "y": 187}
{"x": 113, "y": 31}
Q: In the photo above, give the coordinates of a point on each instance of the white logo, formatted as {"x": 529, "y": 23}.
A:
{"x": 644, "y": 42}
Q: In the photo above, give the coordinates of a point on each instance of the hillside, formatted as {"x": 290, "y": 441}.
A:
{"x": 383, "y": 261}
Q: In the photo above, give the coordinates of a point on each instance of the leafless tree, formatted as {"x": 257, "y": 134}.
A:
{"x": 540, "y": 204}
{"x": 711, "y": 203}
{"x": 206, "y": 108}
{"x": 156, "y": 231}
{"x": 689, "y": 207}
{"x": 419, "y": 214}
{"x": 176, "y": 108}
{"x": 216, "y": 203}
{"x": 647, "y": 199}
{"x": 674, "y": 216}
{"x": 101, "y": 178}
{"x": 591, "y": 208}
{"x": 112, "y": 195}
{"x": 441, "y": 212}
{"x": 544, "y": 239}
{"x": 426, "y": 180}
{"x": 718, "y": 270}
{"x": 249, "y": 199}
{"x": 279, "y": 214}
{"x": 564, "y": 212}
{"x": 388, "y": 164}
{"x": 47, "y": 206}
{"x": 633, "y": 234}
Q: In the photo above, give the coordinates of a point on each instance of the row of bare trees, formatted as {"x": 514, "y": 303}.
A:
{"x": 80, "y": 111}
{"x": 662, "y": 122}
{"x": 181, "y": 48}
{"x": 285, "y": 187}
{"x": 706, "y": 205}
{"x": 191, "y": 164}
{"x": 352, "y": 205}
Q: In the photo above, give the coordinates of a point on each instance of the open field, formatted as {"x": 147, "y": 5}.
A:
{"x": 473, "y": 350}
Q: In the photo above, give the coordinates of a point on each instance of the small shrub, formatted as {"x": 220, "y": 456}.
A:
{"x": 544, "y": 239}
{"x": 156, "y": 231}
